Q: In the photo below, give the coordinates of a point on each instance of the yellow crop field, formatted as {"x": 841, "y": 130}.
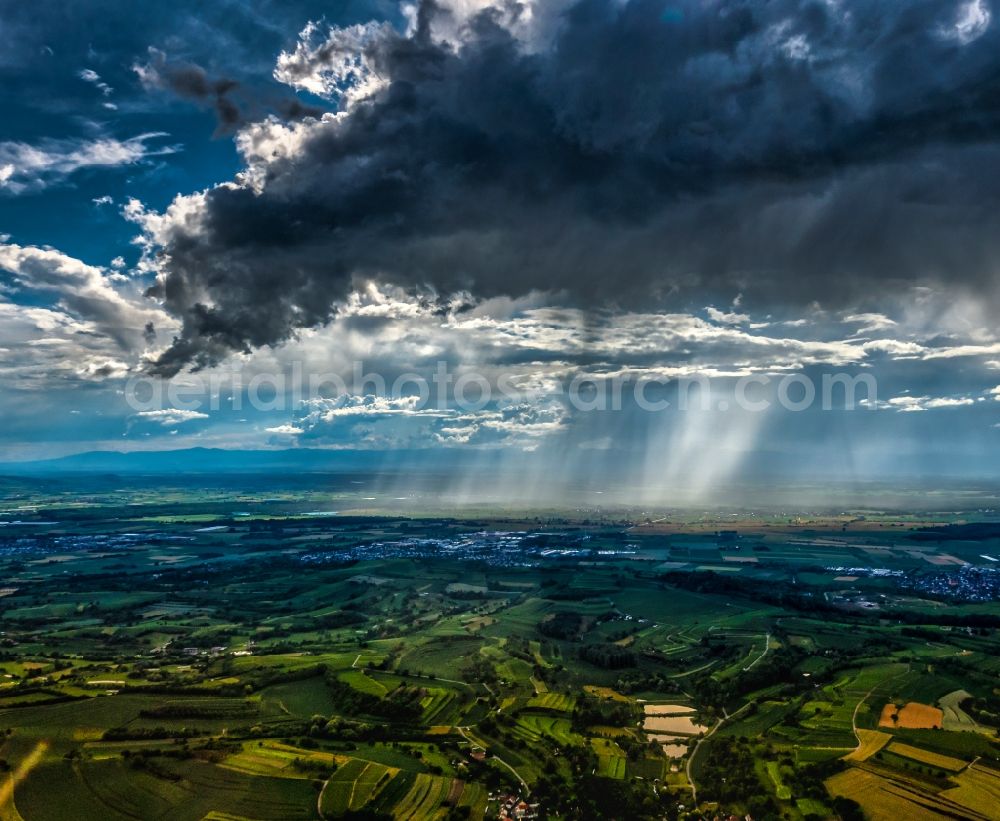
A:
{"x": 913, "y": 716}
{"x": 885, "y": 799}
{"x": 889, "y": 799}
{"x": 978, "y": 789}
{"x": 277, "y": 760}
{"x": 942, "y": 762}
{"x": 871, "y": 742}
{"x": 872, "y": 793}
{"x": 875, "y": 795}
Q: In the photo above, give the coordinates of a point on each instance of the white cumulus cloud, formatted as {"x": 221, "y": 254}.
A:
{"x": 25, "y": 167}
{"x": 170, "y": 416}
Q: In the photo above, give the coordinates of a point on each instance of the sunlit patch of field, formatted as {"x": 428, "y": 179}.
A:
{"x": 604, "y": 692}
{"x": 610, "y": 758}
{"x": 884, "y": 799}
{"x": 425, "y": 797}
{"x": 435, "y": 703}
{"x": 539, "y": 685}
{"x": 277, "y": 760}
{"x": 913, "y": 715}
{"x": 810, "y": 806}
{"x": 359, "y": 680}
{"x": 871, "y": 742}
{"x": 782, "y": 790}
{"x": 353, "y": 785}
{"x": 978, "y": 788}
{"x": 942, "y": 762}
{"x": 477, "y": 623}
{"x": 20, "y": 772}
{"x": 532, "y": 728}
{"x": 560, "y": 702}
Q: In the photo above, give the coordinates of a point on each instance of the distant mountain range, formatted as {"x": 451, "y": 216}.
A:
{"x": 214, "y": 460}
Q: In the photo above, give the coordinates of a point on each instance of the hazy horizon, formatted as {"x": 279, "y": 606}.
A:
{"x": 477, "y": 226}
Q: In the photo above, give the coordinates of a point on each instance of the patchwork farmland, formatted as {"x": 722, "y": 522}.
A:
{"x": 184, "y": 663}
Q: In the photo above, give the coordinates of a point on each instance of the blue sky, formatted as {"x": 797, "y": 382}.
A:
{"x": 49, "y": 50}
{"x": 592, "y": 191}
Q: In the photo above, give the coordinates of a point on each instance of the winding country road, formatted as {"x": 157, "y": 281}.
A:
{"x": 857, "y": 707}
{"x": 517, "y": 775}
{"x": 687, "y": 769}
{"x": 767, "y": 646}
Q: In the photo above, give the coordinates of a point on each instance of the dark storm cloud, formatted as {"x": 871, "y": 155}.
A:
{"x": 232, "y": 104}
{"x": 191, "y": 82}
{"x": 791, "y": 150}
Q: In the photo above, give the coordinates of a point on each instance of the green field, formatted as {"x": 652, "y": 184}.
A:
{"x": 560, "y": 702}
{"x": 353, "y": 786}
{"x": 262, "y": 670}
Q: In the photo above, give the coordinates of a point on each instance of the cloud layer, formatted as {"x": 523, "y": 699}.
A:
{"x": 792, "y": 151}
{"x": 25, "y": 167}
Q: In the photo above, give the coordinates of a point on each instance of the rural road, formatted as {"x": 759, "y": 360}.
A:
{"x": 767, "y": 646}
{"x": 319, "y": 799}
{"x": 694, "y": 752}
{"x": 690, "y": 761}
{"x": 857, "y": 707}
{"x": 438, "y": 678}
{"x": 418, "y": 675}
{"x": 695, "y": 670}
{"x": 517, "y": 775}
{"x": 854, "y": 715}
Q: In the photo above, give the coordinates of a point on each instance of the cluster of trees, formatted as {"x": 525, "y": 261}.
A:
{"x": 586, "y": 795}
{"x": 263, "y": 676}
{"x": 807, "y": 780}
{"x": 568, "y": 786}
{"x": 480, "y": 669}
{"x": 591, "y": 712}
{"x": 202, "y": 710}
{"x": 346, "y": 731}
{"x": 608, "y": 656}
{"x": 728, "y": 775}
{"x": 780, "y": 667}
{"x": 985, "y": 710}
{"x": 519, "y": 647}
{"x": 638, "y": 681}
{"x": 564, "y": 625}
{"x": 150, "y": 733}
{"x": 402, "y": 705}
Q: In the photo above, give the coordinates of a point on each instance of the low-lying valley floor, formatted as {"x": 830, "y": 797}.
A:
{"x": 228, "y": 652}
